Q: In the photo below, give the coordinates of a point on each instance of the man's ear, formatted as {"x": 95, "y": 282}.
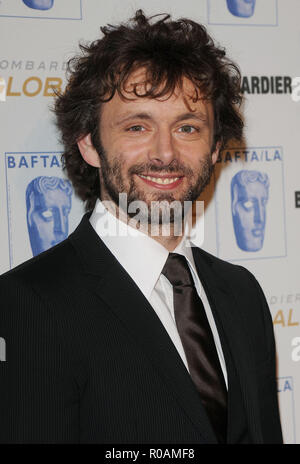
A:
{"x": 88, "y": 151}
{"x": 215, "y": 153}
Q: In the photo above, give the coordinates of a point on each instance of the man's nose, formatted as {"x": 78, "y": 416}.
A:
{"x": 163, "y": 150}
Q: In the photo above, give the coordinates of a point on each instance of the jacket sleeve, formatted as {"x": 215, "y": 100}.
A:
{"x": 38, "y": 402}
{"x": 268, "y": 396}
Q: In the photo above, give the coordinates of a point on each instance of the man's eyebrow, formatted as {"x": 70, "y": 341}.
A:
{"x": 147, "y": 116}
{"x": 132, "y": 116}
{"x": 192, "y": 115}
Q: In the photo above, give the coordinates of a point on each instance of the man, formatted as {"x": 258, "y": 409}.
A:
{"x": 139, "y": 336}
{"x": 48, "y": 204}
{"x": 249, "y": 197}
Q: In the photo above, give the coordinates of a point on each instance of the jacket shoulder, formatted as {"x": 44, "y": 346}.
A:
{"x": 225, "y": 267}
{"x": 239, "y": 280}
{"x": 48, "y": 265}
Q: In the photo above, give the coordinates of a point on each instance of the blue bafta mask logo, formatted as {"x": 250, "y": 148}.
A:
{"x": 241, "y": 8}
{"x": 39, "y": 4}
{"x": 249, "y": 197}
{"x": 48, "y": 204}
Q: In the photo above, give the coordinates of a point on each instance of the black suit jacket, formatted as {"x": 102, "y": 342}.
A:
{"x": 88, "y": 360}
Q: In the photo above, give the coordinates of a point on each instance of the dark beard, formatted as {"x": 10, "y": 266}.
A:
{"x": 113, "y": 171}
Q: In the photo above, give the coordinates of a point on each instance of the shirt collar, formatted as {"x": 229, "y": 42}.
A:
{"x": 141, "y": 256}
{"x": 184, "y": 248}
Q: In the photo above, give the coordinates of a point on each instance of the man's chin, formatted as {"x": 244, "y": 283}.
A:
{"x": 158, "y": 212}
{"x": 158, "y": 207}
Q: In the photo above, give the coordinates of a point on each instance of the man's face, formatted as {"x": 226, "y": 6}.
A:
{"x": 241, "y": 8}
{"x": 155, "y": 150}
{"x": 249, "y": 216}
{"x": 48, "y": 220}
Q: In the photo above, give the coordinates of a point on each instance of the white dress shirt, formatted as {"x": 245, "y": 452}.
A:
{"x": 143, "y": 258}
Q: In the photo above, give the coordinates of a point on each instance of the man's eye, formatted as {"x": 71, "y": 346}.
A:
{"x": 188, "y": 129}
{"x": 136, "y": 129}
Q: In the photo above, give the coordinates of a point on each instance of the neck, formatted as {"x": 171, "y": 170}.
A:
{"x": 169, "y": 234}
{"x": 170, "y": 243}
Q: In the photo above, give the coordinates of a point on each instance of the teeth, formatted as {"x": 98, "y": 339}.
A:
{"x": 159, "y": 180}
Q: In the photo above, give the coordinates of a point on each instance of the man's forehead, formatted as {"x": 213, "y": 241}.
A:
{"x": 174, "y": 104}
{"x": 140, "y": 81}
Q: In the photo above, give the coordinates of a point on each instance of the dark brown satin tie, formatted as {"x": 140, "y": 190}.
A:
{"x": 198, "y": 343}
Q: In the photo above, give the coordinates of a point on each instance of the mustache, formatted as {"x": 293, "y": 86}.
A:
{"x": 170, "y": 169}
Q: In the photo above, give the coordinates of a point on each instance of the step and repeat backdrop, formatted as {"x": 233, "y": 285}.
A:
{"x": 37, "y": 37}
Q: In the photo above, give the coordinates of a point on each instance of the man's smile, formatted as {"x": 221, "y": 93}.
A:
{"x": 162, "y": 182}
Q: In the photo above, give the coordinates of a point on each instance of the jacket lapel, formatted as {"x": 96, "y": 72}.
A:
{"x": 107, "y": 278}
{"x": 230, "y": 324}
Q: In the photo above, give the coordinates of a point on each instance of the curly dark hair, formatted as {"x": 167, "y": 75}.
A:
{"x": 168, "y": 50}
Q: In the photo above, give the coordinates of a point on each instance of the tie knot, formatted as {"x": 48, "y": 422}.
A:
{"x": 177, "y": 270}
